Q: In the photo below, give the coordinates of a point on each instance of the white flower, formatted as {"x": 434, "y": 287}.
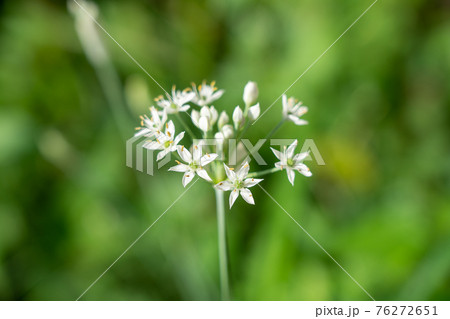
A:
{"x": 223, "y": 119}
{"x": 166, "y": 142}
{"x": 238, "y": 117}
{"x": 149, "y": 126}
{"x": 250, "y": 93}
{"x": 253, "y": 112}
{"x": 195, "y": 164}
{"x": 177, "y": 102}
{"x": 292, "y": 163}
{"x": 205, "y": 119}
{"x": 293, "y": 110}
{"x": 206, "y": 94}
{"x": 238, "y": 183}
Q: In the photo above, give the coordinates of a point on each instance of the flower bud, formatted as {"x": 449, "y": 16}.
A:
{"x": 238, "y": 117}
{"x": 250, "y": 93}
{"x": 253, "y": 112}
{"x": 223, "y": 119}
{"x": 219, "y": 138}
{"x": 227, "y": 131}
{"x": 214, "y": 115}
{"x": 204, "y": 111}
{"x": 203, "y": 124}
{"x": 195, "y": 116}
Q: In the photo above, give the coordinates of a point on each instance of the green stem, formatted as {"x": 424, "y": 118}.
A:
{"x": 223, "y": 252}
{"x": 268, "y": 136}
{"x": 275, "y": 129}
{"x": 265, "y": 172}
{"x": 242, "y": 132}
{"x": 186, "y": 127}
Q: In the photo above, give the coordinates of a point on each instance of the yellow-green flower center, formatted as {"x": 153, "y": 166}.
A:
{"x": 194, "y": 165}
{"x": 239, "y": 184}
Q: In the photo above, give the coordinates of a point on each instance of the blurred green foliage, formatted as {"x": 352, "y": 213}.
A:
{"x": 379, "y": 114}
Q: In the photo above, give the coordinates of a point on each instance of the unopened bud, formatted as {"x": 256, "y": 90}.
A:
{"x": 238, "y": 117}
{"x": 253, "y": 112}
{"x": 250, "y": 93}
{"x": 227, "y": 131}
{"x": 223, "y": 119}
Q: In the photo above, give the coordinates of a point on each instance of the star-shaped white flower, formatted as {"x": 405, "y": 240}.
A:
{"x": 238, "y": 183}
{"x": 149, "y": 126}
{"x": 205, "y": 119}
{"x": 195, "y": 163}
{"x": 293, "y": 110}
{"x": 205, "y": 94}
{"x": 291, "y": 162}
{"x": 177, "y": 102}
{"x": 166, "y": 142}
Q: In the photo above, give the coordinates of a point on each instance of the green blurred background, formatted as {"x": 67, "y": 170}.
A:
{"x": 379, "y": 114}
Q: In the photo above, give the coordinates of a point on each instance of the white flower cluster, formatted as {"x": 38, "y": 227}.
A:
{"x": 209, "y": 161}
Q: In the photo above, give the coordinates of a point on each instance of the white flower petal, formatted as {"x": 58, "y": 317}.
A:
{"x": 303, "y": 169}
{"x": 178, "y": 138}
{"x": 197, "y": 153}
{"x": 203, "y": 174}
{"x": 280, "y": 165}
{"x": 216, "y": 96}
{"x": 170, "y": 129}
{"x": 250, "y": 182}
{"x": 184, "y": 154}
{"x": 203, "y": 123}
{"x": 153, "y": 145}
{"x": 155, "y": 116}
{"x": 277, "y": 153}
{"x": 301, "y": 111}
{"x": 187, "y": 178}
{"x": 243, "y": 171}
{"x": 290, "y": 150}
{"x": 231, "y": 175}
{"x": 179, "y": 168}
{"x": 161, "y": 154}
{"x": 285, "y": 105}
{"x": 163, "y": 118}
{"x": 247, "y": 196}
{"x": 183, "y": 108}
{"x": 208, "y": 158}
{"x": 195, "y": 116}
{"x": 162, "y": 138}
{"x": 233, "y": 196}
{"x": 291, "y": 175}
{"x": 300, "y": 156}
{"x": 296, "y": 120}
{"x": 224, "y": 186}
{"x": 142, "y": 131}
